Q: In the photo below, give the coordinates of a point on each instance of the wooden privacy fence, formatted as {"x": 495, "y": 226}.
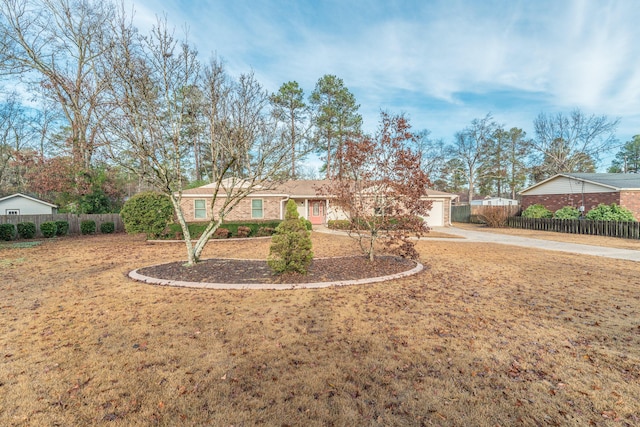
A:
{"x": 73, "y": 220}
{"x": 628, "y": 230}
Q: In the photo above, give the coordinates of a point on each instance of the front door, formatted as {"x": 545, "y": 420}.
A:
{"x": 316, "y": 211}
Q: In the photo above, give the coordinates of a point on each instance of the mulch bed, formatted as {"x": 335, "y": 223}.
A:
{"x": 255, "y": 271}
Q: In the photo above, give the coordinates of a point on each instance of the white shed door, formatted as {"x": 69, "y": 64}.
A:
{"x": 436, "y": 215}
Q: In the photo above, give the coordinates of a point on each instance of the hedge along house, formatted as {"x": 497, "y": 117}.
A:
{"x": 19, "y": 204}
{"x": 586, "y": 190}
{"x": 269, "y": 204}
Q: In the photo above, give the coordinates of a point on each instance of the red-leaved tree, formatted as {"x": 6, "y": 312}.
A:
{"x": 382, "y": 189}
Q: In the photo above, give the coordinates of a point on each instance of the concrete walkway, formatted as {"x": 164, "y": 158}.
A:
{"x": 489, "y": 237}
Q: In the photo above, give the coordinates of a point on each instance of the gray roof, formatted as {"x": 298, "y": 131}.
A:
{"x": 621, "y": 181}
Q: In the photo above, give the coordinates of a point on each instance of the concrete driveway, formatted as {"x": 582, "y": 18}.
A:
{"x": 489, "y": 237}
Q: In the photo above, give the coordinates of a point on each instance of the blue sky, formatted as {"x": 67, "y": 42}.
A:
{"x": 442, "y": 63}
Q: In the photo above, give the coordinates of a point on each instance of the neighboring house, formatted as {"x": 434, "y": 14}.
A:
{"x": 270, "y": 204}
{"x": 586, "y": 190}
{"x": 494, "y": 201}
{"x": 19, "y": 204}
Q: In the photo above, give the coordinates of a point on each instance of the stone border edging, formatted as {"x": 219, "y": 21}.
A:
{"x": 134, "y": 275}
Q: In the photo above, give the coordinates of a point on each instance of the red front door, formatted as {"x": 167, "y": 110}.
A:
{"x": 316, "y": 211}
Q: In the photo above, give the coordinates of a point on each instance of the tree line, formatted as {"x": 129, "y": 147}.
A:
{"x": 112, "y": 111}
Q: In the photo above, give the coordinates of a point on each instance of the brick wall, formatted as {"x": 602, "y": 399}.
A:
{"x": 631, "y": 201}
{"x": 553, "y": 202}
{"x": 242, "y": 212}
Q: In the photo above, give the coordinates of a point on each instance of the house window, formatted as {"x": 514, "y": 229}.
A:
{"x": 13, "y": 211}
{"x": 316, "y": 209}
{"x": 200, "y": 209}
{"x": 256, "y": 208}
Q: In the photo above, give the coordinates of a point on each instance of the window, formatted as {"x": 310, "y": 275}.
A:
{"x": 200, "y": 209}
{"x": 256, "y": 208}
{"x": 13, "y": 212}
{"x": 316, "y": 209}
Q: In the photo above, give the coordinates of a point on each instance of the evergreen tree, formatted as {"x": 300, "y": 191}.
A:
{"x": 336, "y": 118}
{"x": 291, "y": 245}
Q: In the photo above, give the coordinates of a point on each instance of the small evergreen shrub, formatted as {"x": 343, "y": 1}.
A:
{"x": 87, "y": 226}
{"x": 339, "y": 224}
{"x": 7, "y": 232}
{"x": 62, "y": 228}
{"x": 243, "y": 231}
{"x": 147, "y": 213}
{"x": 26, "y": 230}
{"x": 48, "y": 229}
{"x": 221, "y": 233}
{"x": 265, "y": 232}
{"x": 537, "y": 211}
{"x": 107, "y": 227}
{"x": 307, "y": 224}
{"x": 567, "y": 212}
{"x": 611, "y": 212}
{"x": 290, "y": 250}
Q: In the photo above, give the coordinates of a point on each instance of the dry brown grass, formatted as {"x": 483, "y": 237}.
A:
{"x": 488, "y": 335}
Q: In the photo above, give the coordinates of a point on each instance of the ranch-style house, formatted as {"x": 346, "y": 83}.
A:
{"x": 586, "y": 190}
{"x": 269, "y": 204}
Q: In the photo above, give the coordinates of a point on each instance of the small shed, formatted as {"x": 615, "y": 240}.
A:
{"x": 20, "y": 204}
{"x": 494, "y": 201}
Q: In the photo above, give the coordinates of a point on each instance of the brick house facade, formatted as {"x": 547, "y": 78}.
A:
{"x": 585, "y": 189}
{"x": 269, "y": 204}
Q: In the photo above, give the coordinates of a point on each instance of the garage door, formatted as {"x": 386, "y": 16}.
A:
{"x": 436, "y": 215}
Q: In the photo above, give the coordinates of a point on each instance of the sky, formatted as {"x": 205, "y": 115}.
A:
{"x": 441, "y": 63}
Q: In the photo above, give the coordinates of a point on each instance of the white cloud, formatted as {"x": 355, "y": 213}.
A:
{"x": 556, "y": 55}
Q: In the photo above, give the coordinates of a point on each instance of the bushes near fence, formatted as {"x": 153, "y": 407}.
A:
{"x": 88, "y": 226}
{"x": 107, "y": 227}
{"x": 26, "y": 230}
{"x": 48, "y": 229}
{"x": 7, "y": 232}
{"x": 62, "y": 228}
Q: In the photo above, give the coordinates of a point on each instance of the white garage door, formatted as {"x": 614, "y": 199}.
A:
{"x": 436, "y": 215}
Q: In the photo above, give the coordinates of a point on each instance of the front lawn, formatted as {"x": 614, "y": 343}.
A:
{"x": 487, "y": 335}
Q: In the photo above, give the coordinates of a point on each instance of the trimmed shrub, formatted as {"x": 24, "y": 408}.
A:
{"x": 221, "y": 233}
{"x": 265, "y": 232}
{"x": 197, "y": 228}
{"x": 611, "y": 212}
{"x": 567, "y": 212}
{"x": 243, "y": 231}
{"x": 48, "y": 229}
{"x": 107, "y": 227}
{"x": 7, "y": 232}
{"x": 307, "y": 224}
{"x": 148, "y": 213}
{"x": 495, "y": 216}
{"x": 537, "y": 211}
{"x": 63, "y": 228}
{"x": 26, "y": 230}
{"x": 339, "y": 224}
{"x": 87, "y": 226}
{"x": 290, "y": 250}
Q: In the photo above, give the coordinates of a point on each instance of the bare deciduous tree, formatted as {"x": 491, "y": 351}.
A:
{"x": 55, "y": 46}
{"x": 571, "y": 143}
{"x": 470, "y": 146}
{"x": 154, "y": 75}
